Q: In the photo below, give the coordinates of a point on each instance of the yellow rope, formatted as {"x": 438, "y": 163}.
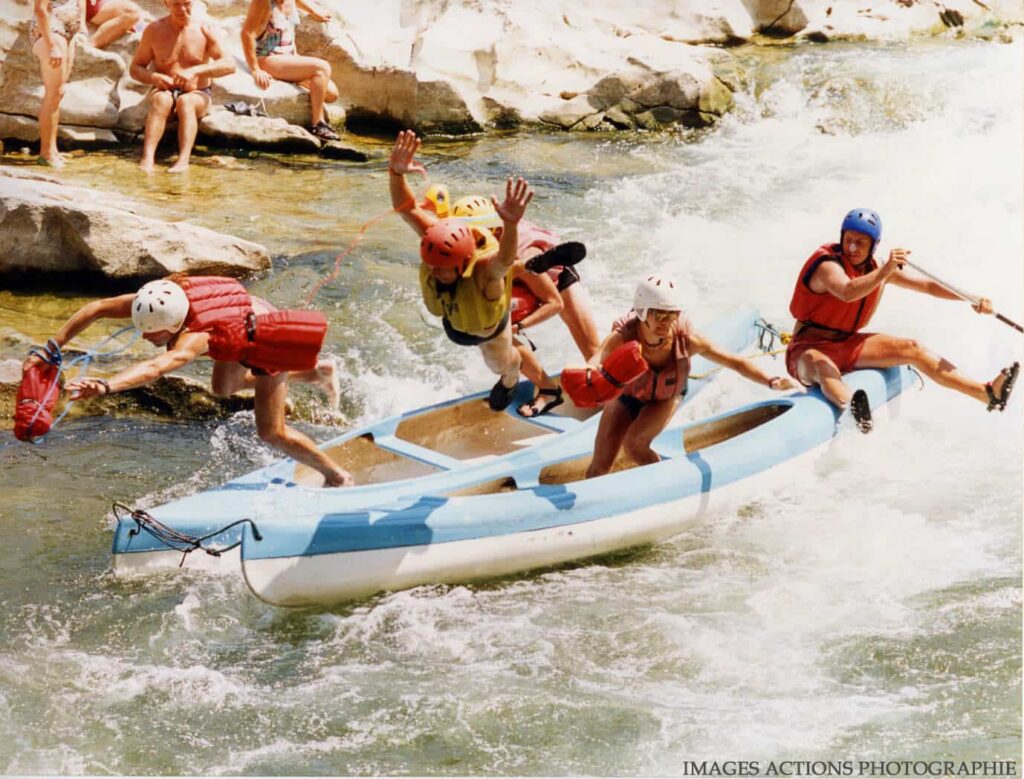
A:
{"x": 751, "y": 357}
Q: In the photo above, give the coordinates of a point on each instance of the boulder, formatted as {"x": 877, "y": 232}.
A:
{"x": 50, "y": 227}
{"x": 223, "y": 128}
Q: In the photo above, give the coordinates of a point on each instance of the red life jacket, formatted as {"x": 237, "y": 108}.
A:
{"x": 37, "y": 395}
{"x": 219, "y": 306}
{"x": 278, "y": 341}
{"x": 670, "y": 379}
{"x": 523, "y": 302}
{"x": 589, "y": 388}
{"x": 285, "y": 341}
{"x": 824, "y": 310}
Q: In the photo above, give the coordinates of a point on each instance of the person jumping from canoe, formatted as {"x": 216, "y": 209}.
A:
{"x": 546, "y": 283}
{"x": 836, "y": 293}
{"x": 469, "y": 289}
{"x": 252, "y": 345}
{"x": 657, "y": 342}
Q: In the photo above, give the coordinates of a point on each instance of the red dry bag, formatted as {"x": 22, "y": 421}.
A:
{"x": 590, "y": 387}
{"x": 37, "y": 395}
{"x": 523, "y": 302}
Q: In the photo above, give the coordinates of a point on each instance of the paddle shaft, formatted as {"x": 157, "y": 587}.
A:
{"x": 963, "y": 295}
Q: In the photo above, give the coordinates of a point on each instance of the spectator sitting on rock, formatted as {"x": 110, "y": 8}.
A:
{"x": 186, "y": 56}
{"x": 268, "y": 41}
{"x": 55, "y": 23}
{"x": 112, "y": 19}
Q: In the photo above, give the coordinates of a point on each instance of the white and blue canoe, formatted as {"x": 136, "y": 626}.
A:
{"x": 458, "y": 448}
{"x": 529, "y": 520}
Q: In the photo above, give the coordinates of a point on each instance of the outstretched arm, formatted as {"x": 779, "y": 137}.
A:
{"x": 909, "y": 280}
{"x": 313, "y": 10}
{"x": 402, "y": 162}
{"x": 189, "y": 347}
{"x": 517, "y": 197}
{"x": 744, "y": 366}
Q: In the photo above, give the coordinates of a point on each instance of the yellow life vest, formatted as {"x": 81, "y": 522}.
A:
{"x": 465, "y": 307}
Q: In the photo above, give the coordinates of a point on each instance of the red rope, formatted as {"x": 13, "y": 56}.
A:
{"x": 406, "y": 206}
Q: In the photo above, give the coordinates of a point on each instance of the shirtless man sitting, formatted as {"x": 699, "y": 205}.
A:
{"x": 186, "y": 56}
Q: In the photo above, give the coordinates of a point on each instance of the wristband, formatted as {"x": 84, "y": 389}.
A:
{"x": 106, "y": 385}
{"x": 772, "y": 380}
{"x": 394, "y": 172}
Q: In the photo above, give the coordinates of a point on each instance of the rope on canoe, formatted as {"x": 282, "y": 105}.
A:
{"x": 175, "y": 539}
{"x": 767, "y": 337}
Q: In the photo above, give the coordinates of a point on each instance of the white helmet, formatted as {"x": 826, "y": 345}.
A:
{"x": 659, "y": 292}
{"x": 159, "y": 305}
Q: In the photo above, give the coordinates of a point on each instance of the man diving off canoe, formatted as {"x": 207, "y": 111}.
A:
{"x": 251, "y": 343}
{"x": 469, "y": 289}
{"x": 836, "y": 293}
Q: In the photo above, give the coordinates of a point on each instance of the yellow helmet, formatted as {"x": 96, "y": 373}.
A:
{"x": 472, "y": 205}
{"x": 486, "y": 247}
{"x": 436, "y": 199}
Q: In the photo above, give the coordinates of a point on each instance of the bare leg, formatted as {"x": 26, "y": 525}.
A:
{"x": 191, "y": 107}
{"x": 311, "y": 72}
{"x": 324, "y": 376}
{"x": 534, "y": 371}
{"x": 230, "y": 377}
{"x": 271, "y": 392}
{"x": 577, "y": 317}
{"x": 611, "y": 431}
{"x": 649, "y": 422}
{"x": 160, "y": 104}
{"x": 884, "y": 351}
{"x": 114, "y": 19}
{"x": 54, "y": 80}
{"x": 814, "y": 367}
{"x": 502, "y": 358}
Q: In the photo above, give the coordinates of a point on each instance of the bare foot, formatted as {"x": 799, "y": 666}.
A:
{"x": 147, "y": 167}
{"x": 179, "y": 167}
{"x": 328, "y": 381}
{"x": 339, "y": 479}
{"x": 54, "y": 160}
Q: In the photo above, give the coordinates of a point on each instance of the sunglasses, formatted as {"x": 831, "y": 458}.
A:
{"x": 663, "y": 316}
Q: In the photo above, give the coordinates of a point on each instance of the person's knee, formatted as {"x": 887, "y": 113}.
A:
{"x": 161, "y": 102}
{"x": 911, "y": 348}
{"x": 273, "y": 433}
{"x": 637, "y": 447}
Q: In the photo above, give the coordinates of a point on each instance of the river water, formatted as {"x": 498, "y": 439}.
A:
{"x": 869, "y": 607}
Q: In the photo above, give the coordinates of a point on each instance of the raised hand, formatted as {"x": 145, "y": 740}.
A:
{"x": 403, "y": 155}
{"x": 517, "y": 197}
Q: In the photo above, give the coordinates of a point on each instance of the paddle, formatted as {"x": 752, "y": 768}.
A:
{"x": 963, "y": 295}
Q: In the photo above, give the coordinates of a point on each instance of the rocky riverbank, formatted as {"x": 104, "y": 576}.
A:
{"x": 468, "y": 66}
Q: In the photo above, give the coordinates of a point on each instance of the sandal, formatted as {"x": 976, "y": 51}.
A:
{"x": 501, "y": 396}
{"x": 325, "y": 132}
{"x": 556, "y": 400}
{"x": 861, "y": 410}
{"x": 1009, "y": 375}
{"x": 565, "y": 255}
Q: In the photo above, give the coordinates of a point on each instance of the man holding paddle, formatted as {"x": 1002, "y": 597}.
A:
{"x": 837, "y": 292}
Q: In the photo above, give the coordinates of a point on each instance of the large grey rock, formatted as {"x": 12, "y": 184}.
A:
{"x": 224, "y": 128}
{"x": 47, "y": 226}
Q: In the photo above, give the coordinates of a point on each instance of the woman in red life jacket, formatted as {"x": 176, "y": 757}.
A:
{"x": 667, "y": 343}
{"x": 836, "y": 293}
{"x": 251, "y": 343}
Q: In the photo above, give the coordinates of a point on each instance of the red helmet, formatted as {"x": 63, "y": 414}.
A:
{"x": 448, "y": 244}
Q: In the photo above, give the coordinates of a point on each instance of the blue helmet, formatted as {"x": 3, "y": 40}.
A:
{"x": 866, "y": 221}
